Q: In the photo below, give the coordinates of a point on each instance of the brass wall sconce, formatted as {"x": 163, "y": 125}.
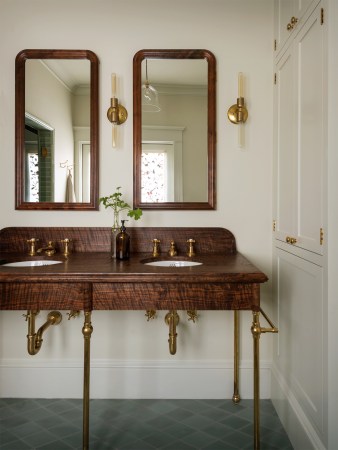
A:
{"x": 238, "y": 113}
{"x": 116, "y": 114}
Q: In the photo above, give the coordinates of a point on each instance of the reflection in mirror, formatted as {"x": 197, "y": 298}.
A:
{"x": 174, "y": 141}
{"x": 57, "y": 129}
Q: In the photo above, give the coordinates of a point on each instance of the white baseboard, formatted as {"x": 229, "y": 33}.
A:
{"x": 129, "y": 379}
{"x": 297, "y": 425}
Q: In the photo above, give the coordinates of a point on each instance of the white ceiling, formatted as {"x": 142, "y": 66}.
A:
{"x": 173, "y": 71}
{"x": 72, "y": 72}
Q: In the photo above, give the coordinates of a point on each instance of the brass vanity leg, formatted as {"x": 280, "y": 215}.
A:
{"x": 236, "y": 397}
{"x": 87, "y": 332}
{"x": 256, "y": 333}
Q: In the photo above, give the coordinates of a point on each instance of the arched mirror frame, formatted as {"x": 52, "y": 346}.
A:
{"x": 137, "y": 83}
{"x": 20, "y": 61}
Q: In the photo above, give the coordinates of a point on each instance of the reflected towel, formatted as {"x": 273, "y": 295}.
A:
{"x": 70, "y": 194}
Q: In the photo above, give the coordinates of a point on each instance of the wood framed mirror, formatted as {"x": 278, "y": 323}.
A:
{"x": 174, "y": 139}
{"x": 56, "y": 130}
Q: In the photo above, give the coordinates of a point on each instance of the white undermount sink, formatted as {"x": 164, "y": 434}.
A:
{"x": 36, "y": 263}
{"x": 173, "y": 263}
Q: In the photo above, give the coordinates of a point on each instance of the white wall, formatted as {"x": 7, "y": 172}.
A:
{"x": 244, "y": 182}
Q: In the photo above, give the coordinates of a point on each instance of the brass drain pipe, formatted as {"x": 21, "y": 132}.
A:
{"x": 172, "y": 319}
{"x": 34, "y": 339}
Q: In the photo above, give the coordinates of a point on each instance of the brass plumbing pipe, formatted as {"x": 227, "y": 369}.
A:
{"x": 172, "y": 319}
{"x": 34, "y": 339}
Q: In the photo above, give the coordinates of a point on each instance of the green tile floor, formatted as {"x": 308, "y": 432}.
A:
{"x": 47, "y": 424}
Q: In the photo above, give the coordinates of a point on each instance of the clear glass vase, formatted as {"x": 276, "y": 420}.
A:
{"x": 114, "y": 232}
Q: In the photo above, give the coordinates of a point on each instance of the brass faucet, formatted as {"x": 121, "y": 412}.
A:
{"x": 49, "y": 250}
{"x": 66, "y": 250}
{"x": 32, "y": 244}
{"x": 191, "y": 250}
{"x": 156, "y": 248}
{"x": 172, "y": 250}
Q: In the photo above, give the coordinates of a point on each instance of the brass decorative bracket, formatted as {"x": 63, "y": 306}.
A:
{"x": 192, "y": 315}
{"x": 72, "y": 314}
{"x": 150, "y": 314}
{"x": 256, "y": 328}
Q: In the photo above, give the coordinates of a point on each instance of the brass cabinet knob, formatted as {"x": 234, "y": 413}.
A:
{"x": 293, "y": 22}
{"x": 290, "y": 240}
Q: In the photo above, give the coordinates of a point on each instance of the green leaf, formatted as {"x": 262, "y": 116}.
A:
{"x": 116, "y": 202}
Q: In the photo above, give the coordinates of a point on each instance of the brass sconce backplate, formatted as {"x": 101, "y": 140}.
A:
{"x": 238, "y": 113}
{"x": 122, "y": 114}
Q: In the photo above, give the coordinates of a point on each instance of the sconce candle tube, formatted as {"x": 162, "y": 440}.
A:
{"x": 240, "y": 136}
{"x": 114, "y": 135}
{"x": 240, "y": 85}
{"x": 113, "y": 84}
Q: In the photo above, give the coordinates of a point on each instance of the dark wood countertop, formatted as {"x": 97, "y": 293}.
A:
{"x": 93, "y": 280}
{"x": 97, "y": 267}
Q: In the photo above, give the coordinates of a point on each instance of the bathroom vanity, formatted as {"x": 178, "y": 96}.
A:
{"x": 89, "y": 279}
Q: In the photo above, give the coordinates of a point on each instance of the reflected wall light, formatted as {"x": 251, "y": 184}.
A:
{"x": 237, "y": 113}
{"x": 117, "y": 114}
{"x": 150, "y": 102}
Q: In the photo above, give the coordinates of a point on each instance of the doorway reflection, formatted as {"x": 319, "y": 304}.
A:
{"x": 39, "y": 164}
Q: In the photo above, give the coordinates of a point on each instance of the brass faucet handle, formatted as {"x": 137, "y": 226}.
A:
{"x": 172, "y": 250}
{"x": 156, "y": 248}
{"x": 66, "y": 243}
{"x": 32, "y": 246}
{"x": 191, "y": 249}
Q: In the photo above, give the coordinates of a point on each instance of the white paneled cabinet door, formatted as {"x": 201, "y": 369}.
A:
{"x": 284, "y": 11}
{"x": 301, "y": 342}
{"x": 303, "y": 5}
{"x": 299, "y": 137}
{"x": 310, "y": 111}
{"x": 285, "y": 115}
{"x": 289, "y": 18}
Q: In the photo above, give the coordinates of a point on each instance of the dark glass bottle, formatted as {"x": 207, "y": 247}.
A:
{"x": 122, "y": 243}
